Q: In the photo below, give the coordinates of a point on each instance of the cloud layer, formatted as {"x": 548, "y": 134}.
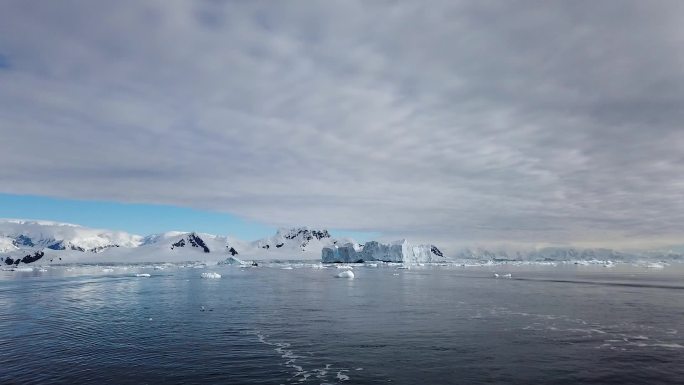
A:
{"x": 488, "y": 122}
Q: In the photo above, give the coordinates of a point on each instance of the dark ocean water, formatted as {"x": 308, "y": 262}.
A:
{"x": 267, "y": 325}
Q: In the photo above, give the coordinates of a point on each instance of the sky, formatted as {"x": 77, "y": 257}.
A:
{"x": 497, "y": 122}
{"x": 141, "y": 219}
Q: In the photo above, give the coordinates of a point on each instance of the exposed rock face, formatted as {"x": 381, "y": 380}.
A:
{"x": 302, "y": 235}
{"x": 400, "y": 252}
{"x": 23, "y": 240}
{"x": 193, "y": 240}
{"x": 434, "y": 250}
{"x": 29, "y": 258}
{"x": 61, "y": 245}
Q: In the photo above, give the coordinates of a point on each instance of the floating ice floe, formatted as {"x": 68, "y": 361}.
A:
{"x": 655, "y": 265}
{"x": 107, "y": 270}
{"x": 345, "y": 274}
{"x": 143, "y": 275}
{"x": 496, "y": 275}
{"x": 211, "y": 275}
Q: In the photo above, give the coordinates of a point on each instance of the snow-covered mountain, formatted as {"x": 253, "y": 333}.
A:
{"x": 302, "y": 241}
{"x": 21, "y": 240}
{"x": 30, "y": 241}
{"x": 22, "y": 234}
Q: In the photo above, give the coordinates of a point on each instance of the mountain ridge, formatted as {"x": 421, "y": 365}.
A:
{"x": 74, "y": 243}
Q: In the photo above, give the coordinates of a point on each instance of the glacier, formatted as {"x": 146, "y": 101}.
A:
{"x": 399, "y": 252}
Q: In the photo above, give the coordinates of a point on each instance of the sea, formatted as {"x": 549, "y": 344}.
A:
{"x": 296, "y": 323}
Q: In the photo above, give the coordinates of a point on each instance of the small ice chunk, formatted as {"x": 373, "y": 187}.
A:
{"x": 341, "y": 376}
{"x": 345, "y": 274}
{"x": 143, "y": 275}
{"x": 107, "y": 270}
{"x": 496, "y": 275}
{"x": 211, "y": 275}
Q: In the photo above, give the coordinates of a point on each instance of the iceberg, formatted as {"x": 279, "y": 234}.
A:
{"x": 143, "y": 275}
{"x": 345, "y": 274}
{"x": 232, "y": 261}
{"x": 398, "y": 252}
{"x": 211, "y": 275}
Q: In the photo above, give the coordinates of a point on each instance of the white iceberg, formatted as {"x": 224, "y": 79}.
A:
{"x": 143, "y": 275}
{"x": 211, "y": 275}
{"x": 345, "y": 274}
{"x": 655, "y": 265}
{"x": 398, "y": 252}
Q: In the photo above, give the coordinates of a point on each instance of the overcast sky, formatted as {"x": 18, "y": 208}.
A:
{"x": 534, "y": 122}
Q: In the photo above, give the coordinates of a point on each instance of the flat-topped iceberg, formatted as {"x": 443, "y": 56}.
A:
{"x": 399, "y": 252}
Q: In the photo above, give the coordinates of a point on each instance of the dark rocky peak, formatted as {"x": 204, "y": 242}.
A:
{"x": 23, "y": 240}
{"x": 193, "y": 240}
{"x": 306, "y": 234}
{"x": 28, "y": 258}
{"x": 434, "y": 250}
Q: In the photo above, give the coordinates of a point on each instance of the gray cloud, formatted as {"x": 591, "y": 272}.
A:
{"x": 461, "y": 122}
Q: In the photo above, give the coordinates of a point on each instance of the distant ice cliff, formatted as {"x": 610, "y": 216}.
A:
{"x": 400, "y": 251}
